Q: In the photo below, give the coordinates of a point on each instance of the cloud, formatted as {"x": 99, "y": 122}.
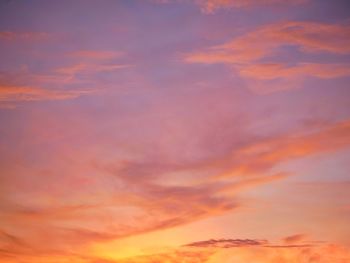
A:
{"x": 176, "y": 176}
{"x": 260, "y": 157}
{"x": 207, "y": 251}
{"x": 93, "y": 54}
{"x": 90, "y": 62}
{"x": 24, "y": 93}
{"x": 147, "y": 205}
{"x": 123, "y": 206}
{"x": 61, "y": 83}
{"x": 210, "y": 253}
{"x": 75, "y": 176}
{"x": 254, "y": 45}
{"x": 23, "y": 86}
{"x": 210, "y": 6}
{"x": 245, "y": 54}
{"x": 294, "y": 239}
{"x": 322, "y": 254}
{"x": 72, "y": 71}
{"x": 227, "y": 243}
{"x": 23, "y": 36}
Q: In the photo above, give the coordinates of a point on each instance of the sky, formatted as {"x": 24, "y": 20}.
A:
{"x": 165, "y": 131}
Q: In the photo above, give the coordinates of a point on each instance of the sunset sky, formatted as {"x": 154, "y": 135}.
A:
{"x": 166, "y": 131}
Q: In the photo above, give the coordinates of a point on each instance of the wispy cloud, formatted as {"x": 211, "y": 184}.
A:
{"x": 232, "y": 250}
{"x": 115, "y": 149}
{"x": 294, "y": 238}
{"x": 227, "y": 243}
{"x": 206, "y": 251}
{"x": 148, "y": 205}
{"x": 23, "y": 36}
{"x": 61, "y": 83}
{"x": 86, "y": 68}
{"x": 210, "y": 6}
{"x": 94, "y": 54}
{"x": 252, "y": 54}
{"x": 308, "y": 36}
{"x": 23, "y": 93}
{"x": 274, "y": 70}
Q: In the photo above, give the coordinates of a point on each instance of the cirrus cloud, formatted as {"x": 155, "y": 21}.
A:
{"x": 252, "y": 54}
{"x": 210, "y": 6}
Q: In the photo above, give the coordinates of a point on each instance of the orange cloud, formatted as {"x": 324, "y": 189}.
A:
{"x": 116, "y": 205}
{"x": 245, "y": 53}
{"x": 26, "y": 87}
{"x": 321, "y": 254}
{"x": 247, "y": 251}
{"x": 146, "y": 205}
{"x": 207, "y": 251}
{"x": 262, "y": 156}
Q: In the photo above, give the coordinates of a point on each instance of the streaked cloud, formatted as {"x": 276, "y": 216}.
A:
{"x": 294, "y": 238}
{"x": 61, "y": 83}
{"x": 248, "y": 253}
{"x": 265, "y": 40}
{"x": 261, "y": 156}
{"x": 94, "y": 54}
{"x": 210, "y": 6}
{"x": 212, "y": 251}
{"x": 148, "y": 205}
{"x": 23, "y": 36}
{"x": 227, "y": 243}
{"x": 272, "y": 71}
{"x": 252, "y": 55}
{"x": 23, "y": 93}
{"x": 88, "y": 68}
{"x": 174, "y": 131}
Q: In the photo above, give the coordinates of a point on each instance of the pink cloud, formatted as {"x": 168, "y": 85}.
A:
{"x": 140, "y": 206}
{"x": 254, "y": 45}
{"x": 210, "y": 6}
{"x": 245, "y": 53}
{"x": 93, "y": 54}
{"x": 294, "y": 239}
{"x": 89, "y": 68}
{"x": 25, "y": 93}
{"x": 176, "y": 144}
{"x": 23, "y": 36}
{"x": 259, "y": 157}
{"x": 58, "y": 83}
{"x": 276, "y": 70}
